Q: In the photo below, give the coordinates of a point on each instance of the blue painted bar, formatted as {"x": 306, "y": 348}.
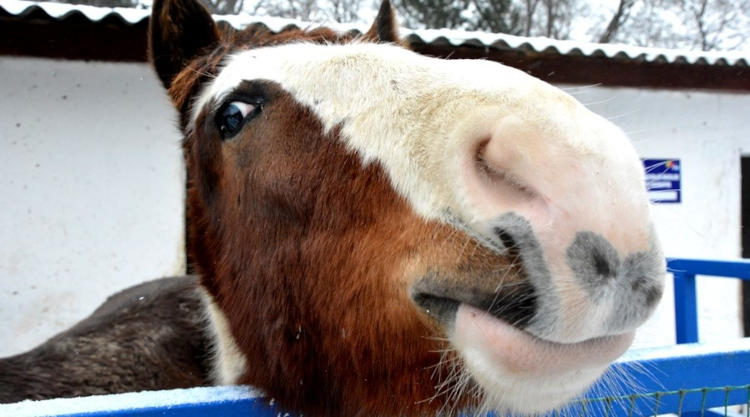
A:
{"x": 729, "y": 269}
{"x": 191, "y": 402}
{"x": 685, "y": 300}
{"x": 688, "y": 367}
{"x": 685, "y": 307}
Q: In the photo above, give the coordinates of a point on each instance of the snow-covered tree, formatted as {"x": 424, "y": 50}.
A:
{"x": 551, "y": 18}
{"x": 105, "y": 3}
{"x": 690, "y": 24}
{"x": 619, "y": 17}
{"x": 306, "y": 10}
{"x": 433, "y": 13}
{"x": 496, "y": 16}
{"x": 225, "y": 6}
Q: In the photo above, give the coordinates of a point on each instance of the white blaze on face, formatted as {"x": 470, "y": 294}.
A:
{"x": 395, "y": 106}
{"x": 475, "y": 140}
{"x": 406, "y": 111}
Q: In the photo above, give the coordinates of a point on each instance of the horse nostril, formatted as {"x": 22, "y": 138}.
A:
{"x": 593, "y": 260}
{"x": 602, "y": 265}
{"x": 652, "y": 291}
{"x": 508, "y": 241}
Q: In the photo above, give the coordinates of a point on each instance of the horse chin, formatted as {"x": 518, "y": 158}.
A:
{"x": 521, "y": 373}
{"x": 530, "y": 397}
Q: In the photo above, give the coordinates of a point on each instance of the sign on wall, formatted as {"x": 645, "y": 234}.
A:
{"x": 663, "y": 180}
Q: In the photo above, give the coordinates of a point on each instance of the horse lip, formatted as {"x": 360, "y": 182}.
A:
{"x": 515, "y": 306}
{"x": 523, "y": 353}
{"x": 442, "y": 309}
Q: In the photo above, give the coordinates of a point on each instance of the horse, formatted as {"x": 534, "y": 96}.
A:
{"x": 148, "y": 337}
{"x": 378, "y": 232}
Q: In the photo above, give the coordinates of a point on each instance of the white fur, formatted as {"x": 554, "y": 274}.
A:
{"x": 402, "y": 118}
{"x": 229, "y": 362}
{"x": 513, "y": 393}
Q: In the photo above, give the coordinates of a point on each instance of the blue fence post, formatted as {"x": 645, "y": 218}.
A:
{"x": 685, "y": 307}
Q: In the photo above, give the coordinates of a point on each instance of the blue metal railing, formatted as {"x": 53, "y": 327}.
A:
{"x": 662, "y": 380}
{"x": 685, "y": 300}
{"x": 686, "y": 379}
{"x": 192, "y": 402}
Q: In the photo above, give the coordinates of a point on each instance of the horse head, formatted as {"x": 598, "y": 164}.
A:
{"x": 380, "y": 232}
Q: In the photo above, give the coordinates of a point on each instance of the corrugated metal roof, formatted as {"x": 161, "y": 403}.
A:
{"x": 444, "y": 37}
{"x": 576, "y": 48}
{"x": 62, "y": 11}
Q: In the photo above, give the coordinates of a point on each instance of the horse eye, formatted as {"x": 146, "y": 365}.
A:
{"x": 231, "y": 117}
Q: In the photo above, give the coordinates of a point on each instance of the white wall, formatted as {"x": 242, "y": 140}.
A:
{"x": 707, "y": 131}
{"x": 91, "y": 191}
{"x": 92, "y": 188}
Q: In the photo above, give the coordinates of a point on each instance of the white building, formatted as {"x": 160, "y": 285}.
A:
{"x": 92, "y": 182}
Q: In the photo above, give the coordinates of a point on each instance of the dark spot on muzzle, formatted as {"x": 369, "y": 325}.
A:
{"x": 593, "y": 260}
{"x": 646, "y": 286}
{"x": 641, "y": 270}
{"x": 600, "y": 270}
{"x": 517, "y": 237}
{"x": 602, "y": 265}
{"x": 631, "y": 285}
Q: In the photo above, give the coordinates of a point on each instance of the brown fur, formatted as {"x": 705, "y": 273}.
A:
{"x": 385, "y": 27}
{"x": 311, "y": 256}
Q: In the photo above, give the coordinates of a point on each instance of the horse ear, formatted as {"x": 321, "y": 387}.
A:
{"x": 178, "y": 31}
{"x": 384, "y": 29}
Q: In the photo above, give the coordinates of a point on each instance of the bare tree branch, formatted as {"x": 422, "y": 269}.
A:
{"x": 619, "y": 18}
{"x": 531, "y": 6}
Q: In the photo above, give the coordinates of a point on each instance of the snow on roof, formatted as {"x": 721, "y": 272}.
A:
{"x": 61, "y": 11}
{"x": 438, "y": 37}
{"x": 579, "y": 48}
